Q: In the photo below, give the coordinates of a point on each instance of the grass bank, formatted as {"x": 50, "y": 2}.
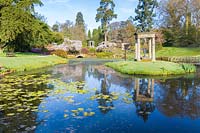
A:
{"x": 174, "y": 51}
{"x": 28, "y": 61}
{"x": 151, "y": 68}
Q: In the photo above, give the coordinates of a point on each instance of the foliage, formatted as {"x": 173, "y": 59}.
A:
{"x": 57, "y": 37}
{"x": 92, "y": 50}
{"x": 105, "y": 14}
{"x": 89, "y": 35}
{"x": 66, "y": 28}
{"x": 180, "y": 23}
{"x": 74, "y": 31}
{"x": 79, "y": 19}
{"x": 55, "y": 27}
{"x": 97, "y": 36}
{"x": 188, "y": 67}
{"x": 144, "y": 14}
{"x": 157, "y": 68}
{"x": 84, "y": 51}
{"x": 60, "y": 53}
{"x": 122, "y": 31}
{"x": 21, "y": 28}
{"x": 104, "y": 55}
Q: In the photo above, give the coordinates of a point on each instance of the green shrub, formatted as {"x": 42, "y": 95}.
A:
{"x": 60, "y": 53}
{"x": 92, "y": 50}
{"x": 104, "y": 55}
{"x": 188, "y": 68}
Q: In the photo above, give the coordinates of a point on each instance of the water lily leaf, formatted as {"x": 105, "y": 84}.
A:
{"x": 80, "y": 109}
{"x": 11, "y": 114}
{"x": 66, "y": 115}
{"x": 20, "y": 110}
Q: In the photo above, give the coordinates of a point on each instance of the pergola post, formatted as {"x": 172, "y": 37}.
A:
{"x": 153, "y": 50}
{"x": 150, "y": 48}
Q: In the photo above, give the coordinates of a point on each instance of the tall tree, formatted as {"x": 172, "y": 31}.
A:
{"x": 144, "y": 14}
{"x": 16, "y": 16}
{"x": 79, "y": 19}
{"x": 55, "y": 27}
{"x": 89, "y": 34}
{"x": 105, "y": 14}
{"x": 97, "y": 35}
{"x": 79, "y": 29}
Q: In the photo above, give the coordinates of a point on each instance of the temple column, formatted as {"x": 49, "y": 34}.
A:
{"x": 153, "y": 50}
{"x": 150, "y": 48}
{"x": 149, "y": 87}
{"x": 138, "y": 52}
{"x": 137, "y": 87}
{"x": 152, "y": 88}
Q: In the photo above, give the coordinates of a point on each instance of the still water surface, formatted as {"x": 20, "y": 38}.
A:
{"x": 107, "y": 101}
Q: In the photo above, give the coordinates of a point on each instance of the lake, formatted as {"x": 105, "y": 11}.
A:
{"x": 84, "y": 96}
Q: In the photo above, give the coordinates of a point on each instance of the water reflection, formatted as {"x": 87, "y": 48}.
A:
{"x": 143, "y": 97}
{"x": 181, "y": 98}
{"x": 104, "y": 90}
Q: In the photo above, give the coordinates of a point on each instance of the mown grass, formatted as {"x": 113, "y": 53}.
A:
{"x": 29, "y": 61}
{"x": 151, "y": 68}
{"x": 174, "y": 51}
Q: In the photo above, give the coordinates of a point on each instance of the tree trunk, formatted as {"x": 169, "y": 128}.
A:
{"x": 105, "y": 37}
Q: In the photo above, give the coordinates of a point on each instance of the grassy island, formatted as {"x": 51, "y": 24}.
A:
{"x": 151, "y": 68}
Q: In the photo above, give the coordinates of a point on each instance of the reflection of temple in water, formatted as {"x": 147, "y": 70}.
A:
{"x": 143, "y": 97}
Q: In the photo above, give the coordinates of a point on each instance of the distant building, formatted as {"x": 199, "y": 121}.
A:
{"x": 91, "y": 44}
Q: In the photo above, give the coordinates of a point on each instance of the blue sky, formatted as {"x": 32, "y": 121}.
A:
{"x": 61, "y": 10}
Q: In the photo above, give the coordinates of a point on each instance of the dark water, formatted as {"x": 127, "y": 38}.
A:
{"x": 115, "y": 102}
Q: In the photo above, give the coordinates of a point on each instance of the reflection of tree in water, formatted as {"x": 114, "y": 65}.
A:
{"x": 181, "y": 98}
{"x": 143, "y": 97}
{"x": 105, "y": 103}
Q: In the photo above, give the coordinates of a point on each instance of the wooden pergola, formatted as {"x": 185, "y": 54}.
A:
{"x": 148, "y": 36}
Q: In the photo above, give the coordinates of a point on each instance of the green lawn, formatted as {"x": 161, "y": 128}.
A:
{"x": 151, "y": 68}
{"x": 174, "y": 51}
{"x": 29, "y": 61}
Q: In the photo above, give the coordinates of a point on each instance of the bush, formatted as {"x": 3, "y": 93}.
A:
{"x": 84, "y": 51}
{"x": 92, "y": 50}
{"x": 60, "y": 53}
{"x": 188, "y": 68}
{"x": 104, "y": 55}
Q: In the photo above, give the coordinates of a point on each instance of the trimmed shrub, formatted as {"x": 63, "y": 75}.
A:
{"x": 104, "y": 55}
{"x": 60, "y": 53}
